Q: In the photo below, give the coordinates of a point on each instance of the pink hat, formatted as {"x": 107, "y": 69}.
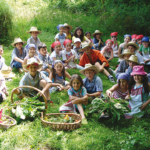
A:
{"x": 138, "y": 70}
{"x": 139, "y": 37}
{"x": 114, "y": 34}
{"x": 55, "y": 43}
{"x": 66, "y": 41}
{"x": 110, "y": 41}
{"x": 133, "y": 36}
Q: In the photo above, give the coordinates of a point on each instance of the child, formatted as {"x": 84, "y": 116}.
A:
{"x": 56, "y": 53}
{"x": 34, "y": 78}
{"x": 78, "y": 47}
{"x": 139, "y": 89}
{"x": 34, "y": 39}
{"x": 123, "y": 64}
{"x": 115, "y": 44}
{"x": 67, "y": 30}
{"x": 107, "y": 51}
{"x": 61, "y": 36}
{"x": 139, "y": 39}
{"x": 58, "y": 75}
{"x": 77, "y": 97}
{"x": 133, "y": 38}
{"x": 92, "y": 82}
{"x": 78, "y": 33}
{"x": 133, "y": 61}
{"x": 97, "y": 41}
{"x": 3, "y": 89}
{"x": 122, "y": 46}
{"x": 119, "y": 90}
{"x": 18, "y": 54}
{"x": 2, "y": 60}
{"x": 69, "y": 55}
{"x": 45, "y": 58}
{"x": 88, "y": 35}
{"x": 145, "y": 51}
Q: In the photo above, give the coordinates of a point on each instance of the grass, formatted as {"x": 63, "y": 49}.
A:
{"x": 125, "y": 134}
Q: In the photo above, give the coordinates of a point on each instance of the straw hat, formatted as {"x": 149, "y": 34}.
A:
{"x": 33, "y": 29}
{"x": 132, "y": 44}
{"x": 32, "y": 61}
{"x": 89, "y": 66}
{"x": 17, "y": 40}
{"x": 133, "y": 58}
{"x": 97, "y": 32}
{"x": 125, "y": 52}
{"x": 6, "y": 72}
{"x": 66, "y": 25}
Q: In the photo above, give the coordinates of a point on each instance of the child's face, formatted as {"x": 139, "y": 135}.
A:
{"x": 131, "y": 48}
{"x": 87, "y": 50}
{"x": 127, "y": 39}
{"x": 32, "y": 51}
{"x": 34, "y": 34}
{"x": 109, "y": 44}
{"x": 57, "y": 48}
{"x": 97, "y": 36}
{"x": 77, "y": 44}
{"x": 88, "y": 36}
{"x": 32, "y": 70}
{"x": 68, "y": 47}
{"x": 114, "y": 38}
{"x": 132, "y": 64}
{"x": 19, "y": 46}
{"x": 61, "y": 30}
{"x": 134, "y": 40}
{"x": 145, "y": 44}
{"x": 58, "y": 67}
{"x": 66, "y": 30}
{"x": 1, "y": 52}
{"x": 76, "y": 84}
{"x": 139, "y": 41}
{"x": 79, "y": 32}
{"x": 123, "y": 83}
{"x": 127, "y": 56}
{"x": 89, "y": 74}
{"x": 138, "y": 78}
{"x": 43, "y": 51}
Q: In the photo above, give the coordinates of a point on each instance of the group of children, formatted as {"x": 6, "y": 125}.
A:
{"x": 48, "y": 71}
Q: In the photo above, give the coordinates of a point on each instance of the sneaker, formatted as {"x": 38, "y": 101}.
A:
{"x": 111, "y": 78}
{"x": 20, "y": 70}
{"x": 110, "y": 71}
{"x": 84, "y": 121}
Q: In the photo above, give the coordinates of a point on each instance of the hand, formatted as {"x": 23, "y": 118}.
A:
{"x": 61, "y": 87}
{"x": 109, "y": 93}
{"x": 42, "y": 92}
{"x": 127, "y": 97}
{"x": 146, "y": 61}
{"x": 144, "y": 105}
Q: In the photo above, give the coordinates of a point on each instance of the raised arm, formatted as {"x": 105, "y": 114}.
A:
{"x": 112, "y": 89}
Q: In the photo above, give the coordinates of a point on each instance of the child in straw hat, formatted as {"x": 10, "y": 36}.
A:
{"x": 67, "y": 30}
{"x": 98, "y": 42}
{"x": 92, "y": 82}
{"x": 2, "y": 60}
{"x": 34, "y": 39}
{"x": 18, "y": 54}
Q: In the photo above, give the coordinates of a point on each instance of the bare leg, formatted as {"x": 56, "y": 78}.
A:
{"x": 80, "y": 108}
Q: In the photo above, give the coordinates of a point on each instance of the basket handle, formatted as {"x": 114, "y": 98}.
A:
{"x": 31, "y": 87}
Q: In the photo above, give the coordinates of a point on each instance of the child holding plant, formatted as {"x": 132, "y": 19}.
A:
{"x": 107, "y": 51}
{"x": 34, "y": 39}
{"x": 77, "y": 98}
{"x": 139, "y": 89}
{"x": 67, "y": 30}
{"x": 2, "y": 60}
{"x": 58, "y": 76}
{"x": 92, "y": 82}
{"x": 69, "y": 55}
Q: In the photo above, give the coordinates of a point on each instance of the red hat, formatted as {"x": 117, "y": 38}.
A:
{"x": 114, "y": 34}
{"x": 133, "y": 36}
{"x": 110, "y": 40}
{"x": 55, "y": 43}
{"x": 139, "y": 37}
{"x": 67, "y": 41}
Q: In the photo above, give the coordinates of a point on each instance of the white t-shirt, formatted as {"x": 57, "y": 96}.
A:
{"x": 61, "y": 38}
{"x": 55, "y": 55}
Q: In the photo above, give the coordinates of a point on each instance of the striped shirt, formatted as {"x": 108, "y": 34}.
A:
{"x": 118, "y": 94}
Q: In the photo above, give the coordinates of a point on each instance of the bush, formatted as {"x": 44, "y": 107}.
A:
{"x": 5, "y": 22}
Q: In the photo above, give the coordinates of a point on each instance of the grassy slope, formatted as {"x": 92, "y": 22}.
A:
{"x": 126, "y": 134}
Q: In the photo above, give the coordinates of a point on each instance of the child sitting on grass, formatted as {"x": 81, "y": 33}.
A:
{"x": 67, "y": 30}
{"x": 92, "y": 82}
{"x": 61, "y": 36}
{"x": 77, "y": 98}
{"x": 18, "y": 54}
{"x": 34, "y": 78}
{"x": 45, "y": 58}
{"x": 34, "y": 39}
{"x": 88, "y": 35}
{"x": 58, "y": 76}
{"x": 2, "y": 60}
{"x": 69, "y": 55}
{"x": 97, "y": 41}
{"x": 107, "y": 51}
{"x": 139, "y": 39}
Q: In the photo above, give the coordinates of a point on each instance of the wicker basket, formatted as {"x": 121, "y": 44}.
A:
{"x": 62, "y": 126}
{"x": 6, "y": 126}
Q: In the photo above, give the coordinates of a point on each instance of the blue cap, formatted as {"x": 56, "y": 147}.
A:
{"x": 60, "y": 25}
{"x": 29, "y": 46}
{"x": 127, "y": 35}
{"x": 145, "y": 39}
